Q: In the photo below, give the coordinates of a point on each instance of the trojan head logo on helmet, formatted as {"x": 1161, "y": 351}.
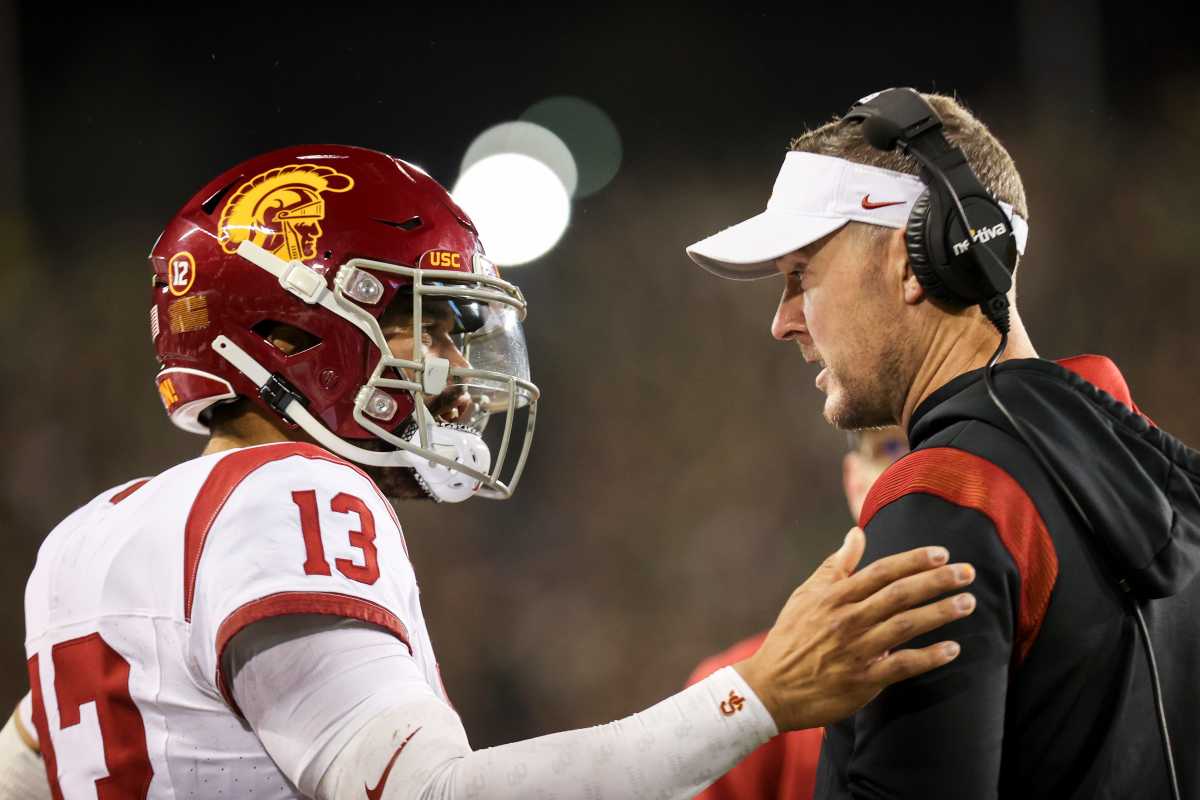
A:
{"x": 281, "y": 210}
{"x": 343, "y": 247}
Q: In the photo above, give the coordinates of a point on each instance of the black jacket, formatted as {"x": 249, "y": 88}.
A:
{"x": 1051, "y": 695}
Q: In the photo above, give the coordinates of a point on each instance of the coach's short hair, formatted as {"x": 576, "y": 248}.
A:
{"x": 985, "y": 154}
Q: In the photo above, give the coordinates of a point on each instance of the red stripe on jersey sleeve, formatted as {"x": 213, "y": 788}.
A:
{"x": 285, "y": 603}
{"x": 225, "y": 477}
{"x": 970, "y": 481}
{"x": 128, "y": 490}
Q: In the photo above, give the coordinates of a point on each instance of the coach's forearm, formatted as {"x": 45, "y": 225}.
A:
{"x": 671, "y": 750}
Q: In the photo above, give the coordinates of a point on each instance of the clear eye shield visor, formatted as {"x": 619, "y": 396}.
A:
{"x": 466, "y": 366}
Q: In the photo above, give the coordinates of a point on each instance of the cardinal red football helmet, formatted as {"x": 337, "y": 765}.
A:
{"x": 323, "y": 239}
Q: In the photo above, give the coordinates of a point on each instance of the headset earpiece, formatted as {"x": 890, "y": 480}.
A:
{"x": 915, "y": 240}
{"x": 951, "y": 263}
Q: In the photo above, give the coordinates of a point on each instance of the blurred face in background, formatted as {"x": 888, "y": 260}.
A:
{"x": 845, "y": 308}
{"x": 871, "y": 453}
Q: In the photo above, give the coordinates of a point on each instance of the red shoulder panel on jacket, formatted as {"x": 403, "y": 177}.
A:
{"x": 969, "y": 481}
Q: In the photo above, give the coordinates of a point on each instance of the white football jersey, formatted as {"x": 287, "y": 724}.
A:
{"x": 135, "y": 595}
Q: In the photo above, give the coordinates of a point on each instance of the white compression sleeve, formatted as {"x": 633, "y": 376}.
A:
{"x": 671, "y": 751}
{"x": 343, "y": 705}
{"x": 308, "y": 683}
{"x": 22, "y": 773}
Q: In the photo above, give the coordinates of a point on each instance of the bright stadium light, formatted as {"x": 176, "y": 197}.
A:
{"x": 528, "y": 139}
{"x": 519, "y": 205}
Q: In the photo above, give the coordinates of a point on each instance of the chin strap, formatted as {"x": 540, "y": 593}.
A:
{"x": 452, "y": 443}
{"x": 446, "y": 485}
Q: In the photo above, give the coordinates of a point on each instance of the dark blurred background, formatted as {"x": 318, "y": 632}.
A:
{"x": 682, "y": 480}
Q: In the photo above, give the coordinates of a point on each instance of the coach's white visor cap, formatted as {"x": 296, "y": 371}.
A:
{"x": 815, "y": 195}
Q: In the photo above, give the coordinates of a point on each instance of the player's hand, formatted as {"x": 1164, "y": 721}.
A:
{"x": 830, "y": 651}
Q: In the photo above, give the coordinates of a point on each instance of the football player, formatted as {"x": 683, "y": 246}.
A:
{"x": 248, "y": 624}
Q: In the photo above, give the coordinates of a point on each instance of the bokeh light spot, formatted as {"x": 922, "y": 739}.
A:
{"x": 528, "y": 139}
{"x": 588, "y": 132}
{"x": 518, "y": 203}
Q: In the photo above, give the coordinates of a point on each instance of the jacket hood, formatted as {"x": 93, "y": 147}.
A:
{"x": 1138, "y": 486}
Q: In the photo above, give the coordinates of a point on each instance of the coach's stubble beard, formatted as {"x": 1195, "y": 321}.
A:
{"x": 868, "y": 391}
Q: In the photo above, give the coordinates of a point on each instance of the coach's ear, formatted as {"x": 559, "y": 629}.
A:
{"x": 897, "y": 259}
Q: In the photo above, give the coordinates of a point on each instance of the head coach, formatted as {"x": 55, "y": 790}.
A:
{"x": 897, "y": 229}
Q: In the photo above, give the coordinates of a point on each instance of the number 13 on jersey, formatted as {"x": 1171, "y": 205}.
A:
{"x": 315, "y": 562}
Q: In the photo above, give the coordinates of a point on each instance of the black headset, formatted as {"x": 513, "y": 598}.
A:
{"x": 964, "y": 263}
{"x": 955, "y": 262}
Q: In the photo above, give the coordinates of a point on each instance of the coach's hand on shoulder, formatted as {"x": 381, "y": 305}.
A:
{"x": 830, "y": 651}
